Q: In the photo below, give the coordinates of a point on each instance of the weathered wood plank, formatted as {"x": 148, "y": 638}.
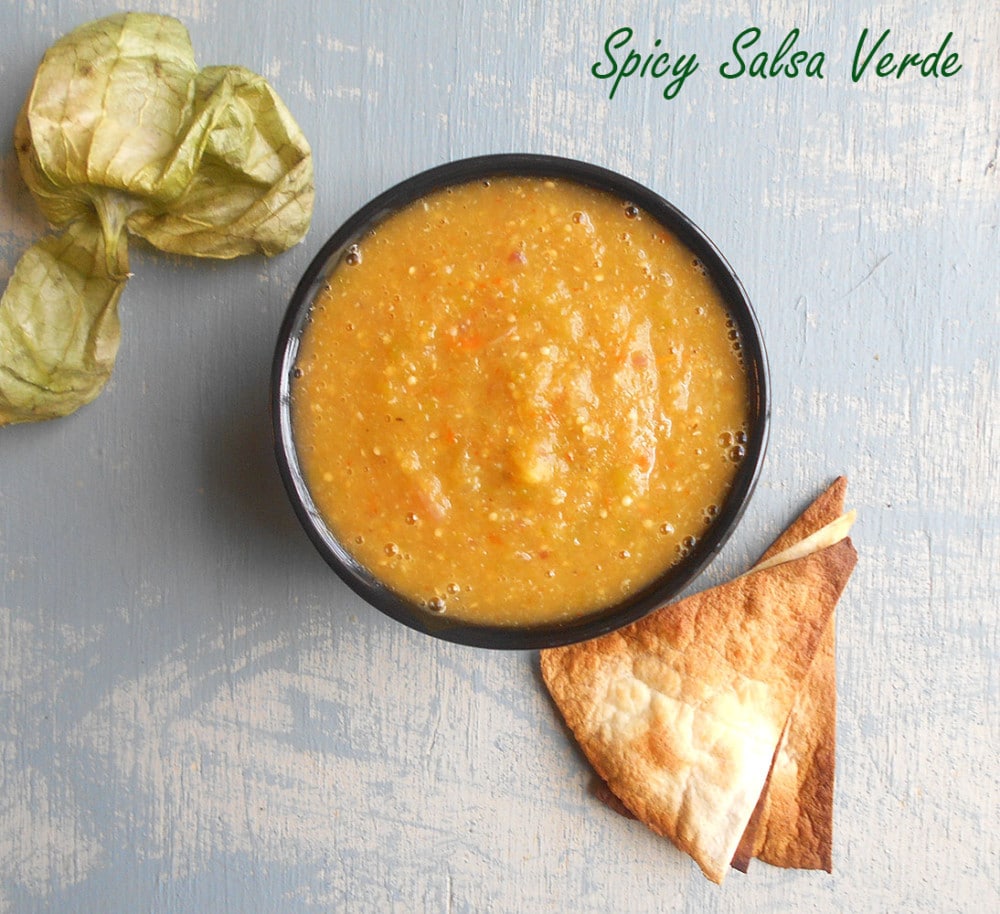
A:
{"x": 195, "y": 715}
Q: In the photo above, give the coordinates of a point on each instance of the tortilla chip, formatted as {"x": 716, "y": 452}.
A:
{"x": 796, "y": 821}
{"x": 745, "y": 849}
{"x": 602, "y": 792}
{"x": 832, "y": 533}
{"x": 681, "y": 712}
{"x": 793, "y": 823}
{"x": 825, "y": 509}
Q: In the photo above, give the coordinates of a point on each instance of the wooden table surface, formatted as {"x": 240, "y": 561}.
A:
{"x": 196, "y": 715}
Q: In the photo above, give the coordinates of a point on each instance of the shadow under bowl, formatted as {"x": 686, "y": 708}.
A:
{"x": 522, "y": 637}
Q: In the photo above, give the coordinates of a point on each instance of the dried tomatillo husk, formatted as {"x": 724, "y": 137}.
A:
{"x": 122, "y": 133}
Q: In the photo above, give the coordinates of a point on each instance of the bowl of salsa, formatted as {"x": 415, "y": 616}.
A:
{"x": 519, "y": 401}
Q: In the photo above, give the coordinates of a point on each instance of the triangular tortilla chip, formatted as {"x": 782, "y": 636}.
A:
{"x": 824, "y": 509}
{"x": 796, "y": 820}
{"x": 745, "y": 850}
{"x": 793, "y": 823}
{"x": 681, "y": 712}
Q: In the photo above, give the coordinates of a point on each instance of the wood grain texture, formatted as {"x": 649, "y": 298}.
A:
{"x": 196, "y": 716}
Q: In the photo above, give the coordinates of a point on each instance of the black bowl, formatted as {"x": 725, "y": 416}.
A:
{"x": 674, "y": 579}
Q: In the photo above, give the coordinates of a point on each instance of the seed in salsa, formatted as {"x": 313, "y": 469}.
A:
{"x": 518, "y": 401}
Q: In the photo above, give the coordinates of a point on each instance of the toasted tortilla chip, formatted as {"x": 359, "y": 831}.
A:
{"x": 602, "y": 792}
{"x": 827, "y": 535}
{"x": 795, "y": 827}
{"x": 793, "y": 823}
{"x": 824, "y": 509}
{"x": 745, "y": 850}
{"x": 681, "y": 712}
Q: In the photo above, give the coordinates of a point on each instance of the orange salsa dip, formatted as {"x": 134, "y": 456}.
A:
{"x": 517, "y": 401}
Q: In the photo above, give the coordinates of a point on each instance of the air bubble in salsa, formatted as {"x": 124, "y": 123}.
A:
{"x": 518, "y": 401}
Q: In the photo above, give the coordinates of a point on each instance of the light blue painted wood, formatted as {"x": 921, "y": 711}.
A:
{"x": 196, "y": 716}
